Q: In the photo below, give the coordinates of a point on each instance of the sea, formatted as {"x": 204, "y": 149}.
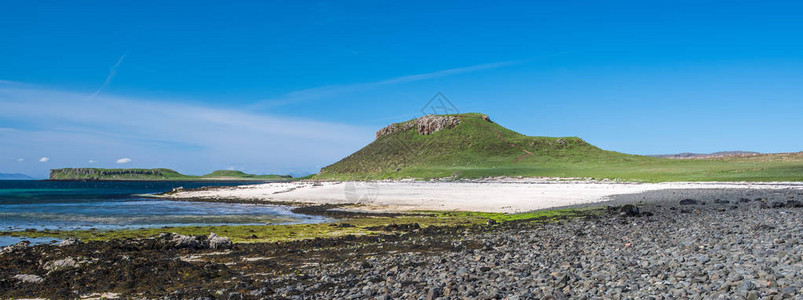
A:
{"x": 108, "y": 205}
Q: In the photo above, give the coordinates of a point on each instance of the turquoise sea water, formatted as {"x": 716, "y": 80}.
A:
{"x": 76, "y": 205}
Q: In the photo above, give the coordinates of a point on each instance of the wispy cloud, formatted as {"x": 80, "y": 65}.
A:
{"x": 112, "y": 73}
{"x": 44, "y": 159}
{"x": 123, "y": 161}
{"x": 190, "y": 138}
{"x": 334, "y": 90}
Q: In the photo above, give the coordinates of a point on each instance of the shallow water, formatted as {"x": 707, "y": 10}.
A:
{"x": 77, "y": 205}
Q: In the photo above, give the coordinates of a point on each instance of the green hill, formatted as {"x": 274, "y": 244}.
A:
{"x": 472, "y": 146}
{"x": 159, "y": 174}
{"x": 241, "y": 175}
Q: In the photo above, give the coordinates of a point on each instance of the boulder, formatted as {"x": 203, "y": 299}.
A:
{"x": 213, "y": 241}
{"x": 69, "y": 242}
{"x": 218, "y": 242}
{"x": 629, "y": 210}
{"x": 66, "y": 263}
{"x": 184, "y": 241}
{"x": 14, "y": 248}
{"x": 689, "y": 202}
{"x": 28, "y": 278}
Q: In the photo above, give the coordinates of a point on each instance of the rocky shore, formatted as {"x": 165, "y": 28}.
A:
{"x": 668, "y": 244}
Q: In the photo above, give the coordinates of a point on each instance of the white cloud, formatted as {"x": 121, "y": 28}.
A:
{"x": 230, "y": 168}
{"x": 191, "y": 138}
{"x": 20, "y": 159}
{"x": 92, "y": 161}
{"x": 44, "y": 159}
{"x": 124, "y": 160}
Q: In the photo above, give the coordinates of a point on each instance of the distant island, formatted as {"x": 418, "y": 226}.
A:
{"x": 471, "y": 145}
{"x": 5, "y": 176}
{"x": 158, "y": 174}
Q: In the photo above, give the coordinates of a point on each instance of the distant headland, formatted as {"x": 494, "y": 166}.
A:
{"x": 159, "y": 174}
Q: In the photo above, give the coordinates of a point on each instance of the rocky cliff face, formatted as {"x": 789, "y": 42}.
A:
{"x": 425, "y": 125}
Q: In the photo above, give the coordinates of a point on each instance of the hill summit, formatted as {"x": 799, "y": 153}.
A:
{"x": 460, "y": 145}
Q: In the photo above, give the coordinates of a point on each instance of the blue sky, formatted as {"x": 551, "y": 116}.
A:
{"x": 291, "y": 86}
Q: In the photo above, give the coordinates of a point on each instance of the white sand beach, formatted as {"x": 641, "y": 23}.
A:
{"x": 506, "y": 195}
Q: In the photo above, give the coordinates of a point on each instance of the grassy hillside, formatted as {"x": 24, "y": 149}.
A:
{"x": 151, "y": 174}
{"x": 480, "y": 148}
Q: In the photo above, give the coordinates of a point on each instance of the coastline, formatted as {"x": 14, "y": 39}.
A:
{"x": 508, "y": 196}
{"x": 722, "y": 244}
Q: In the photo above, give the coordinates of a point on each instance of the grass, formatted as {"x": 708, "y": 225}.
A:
{"x": 477, "y": 148}
{"x": 283, "y": 233}
{"x": 159, "y": 174}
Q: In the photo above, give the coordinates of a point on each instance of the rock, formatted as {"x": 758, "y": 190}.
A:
{"x": 778, "y": 205}
{"x": 747, "y": 286}
{"x": 175, "y": 190}
{"x": 629, "y": 210}
{"x": 16, "y": 247}
{"x": 184, "y": 241}
{"x": 794, "y": 203}
{"x": 429, "y": 124}
{"x": 396, "y": 227}
{"x": 425, "y": 125}
{"x": 28, "y": 278}
{"x": 395, "y": 127}
{"x": 486, "y": 118}
{"x": 218, "y": 242}
{"x": 689, "y": 202}
{"x": 66, "y": 263}
{"x": 69, "y": 242}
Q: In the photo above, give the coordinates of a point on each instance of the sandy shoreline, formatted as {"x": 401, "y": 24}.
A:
{"x": 507, "y": 196}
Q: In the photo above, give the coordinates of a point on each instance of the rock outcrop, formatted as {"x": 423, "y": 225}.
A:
{"x": 394, "y": 128}
{"x": 429, "y": 124}
{"x": 213, "y": 241}
{"x": 14, "y": 248}
{"x": 425, "y": 125}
